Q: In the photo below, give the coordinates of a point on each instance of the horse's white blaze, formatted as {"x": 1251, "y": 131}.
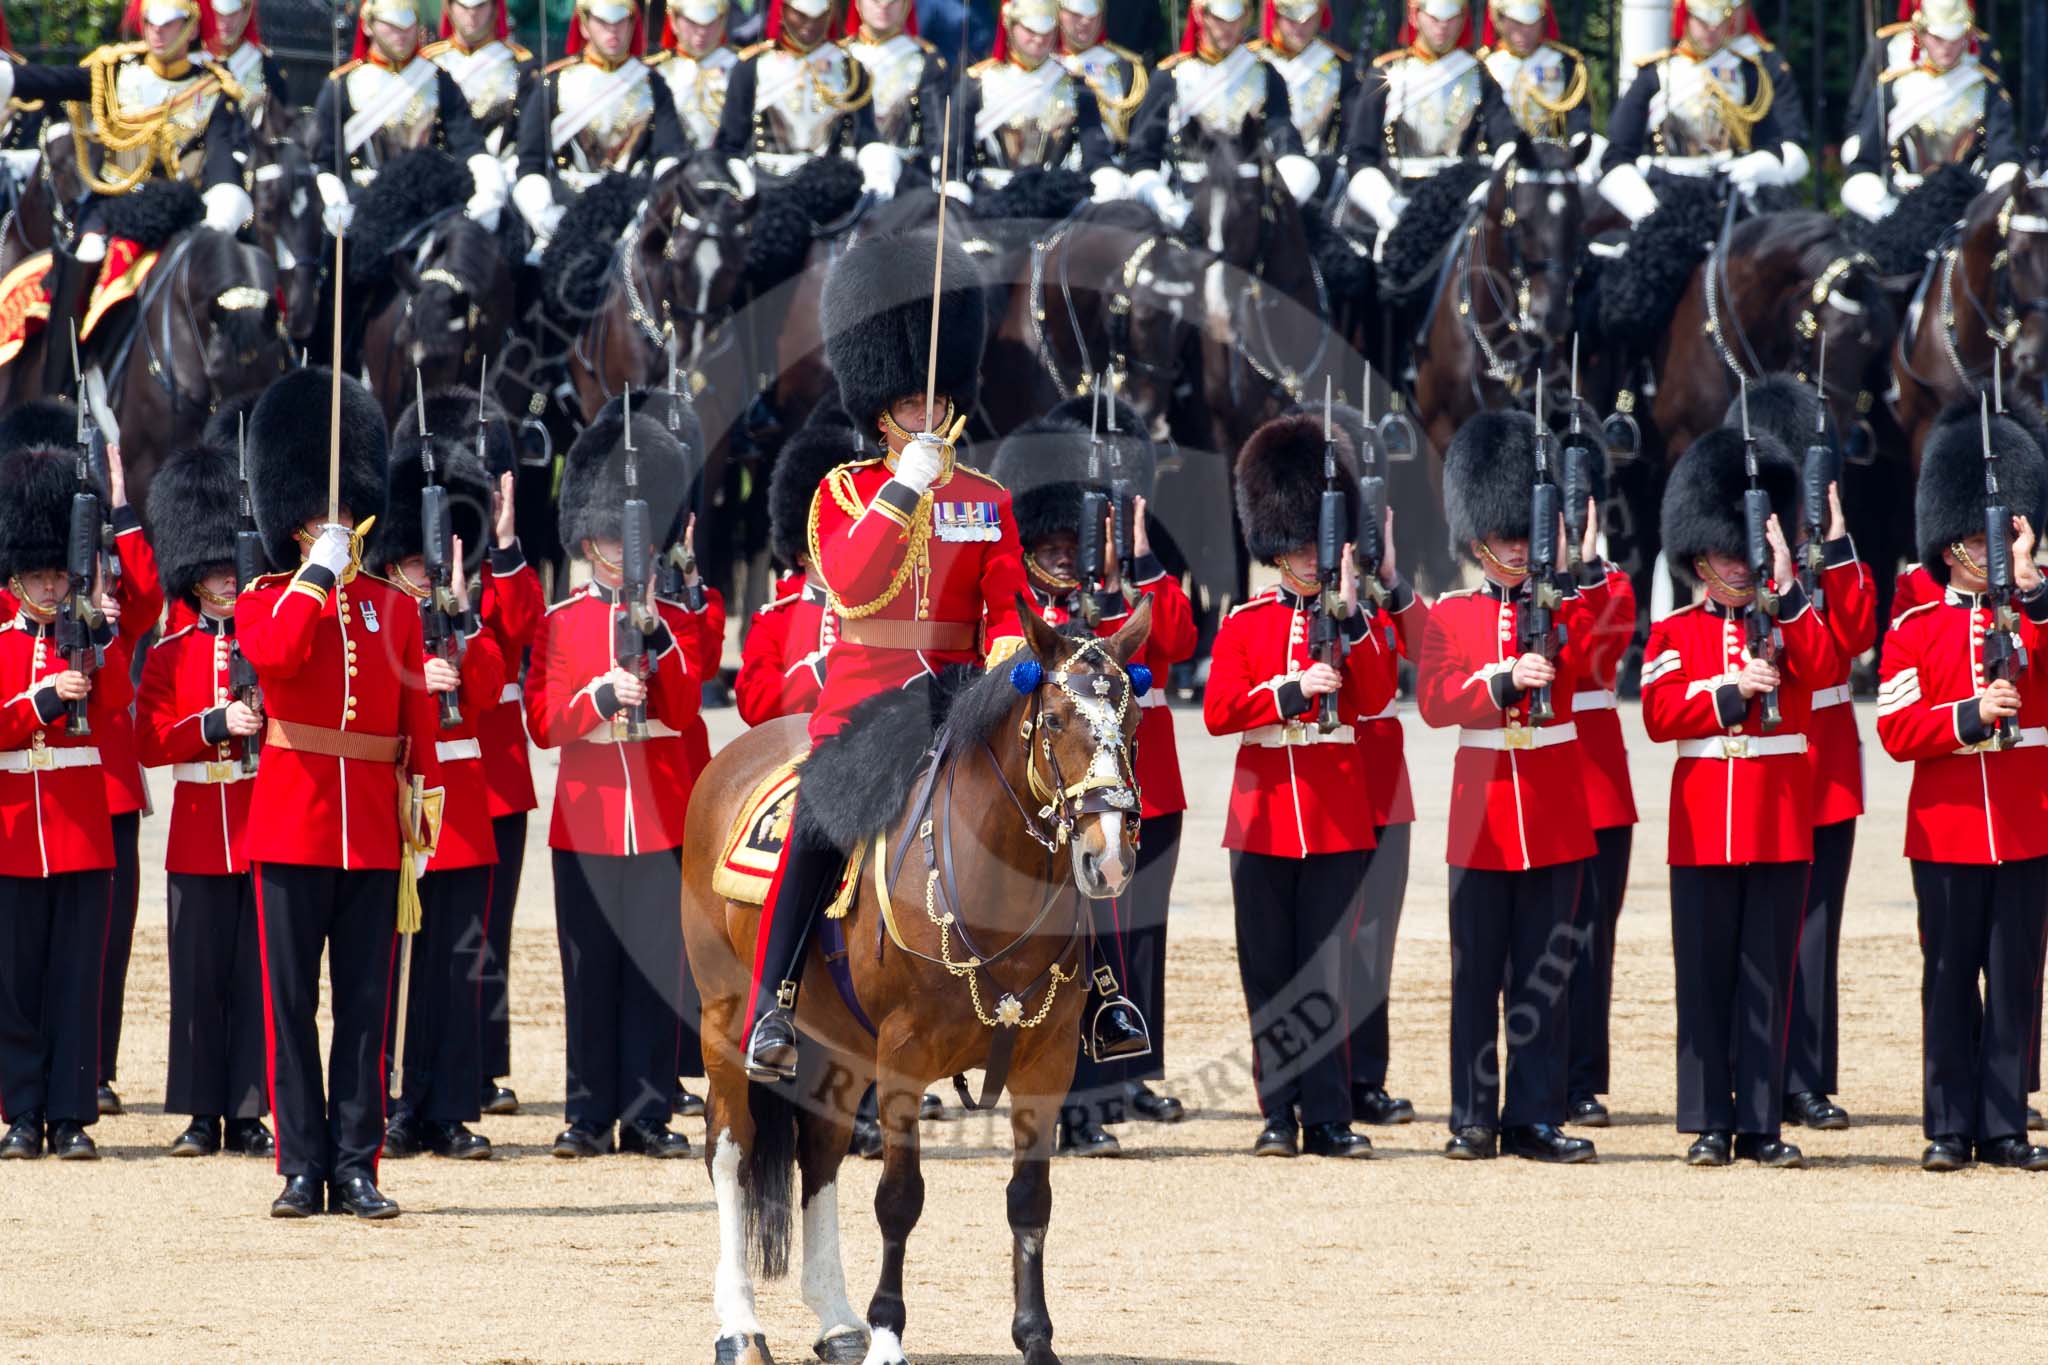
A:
{"x": 298, "y": 201}
{"x": 1109, "y": 865}
{"x": 732, "y": 1291}
{"x": 824, "y": 1278}
{"x": 287, "y": 259}
{"x": 1557, "y": 203}
{"x": 706, "y": 261}
{"x": 884, "y": 1349}
{"x": 1216, "y": 302}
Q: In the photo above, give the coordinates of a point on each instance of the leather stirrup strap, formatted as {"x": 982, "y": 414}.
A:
{"x": 1002, "y": 1047}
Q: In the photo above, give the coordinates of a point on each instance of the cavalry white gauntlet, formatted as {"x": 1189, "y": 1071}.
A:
{"x": 1373, "y": 194}
{"x": 1630, "y": 194}
{"x": 880, "y": 168}
{"x": 228, "y": 206}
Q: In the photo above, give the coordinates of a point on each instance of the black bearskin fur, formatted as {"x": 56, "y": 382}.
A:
{"x": 152, "y": 213}
{"x": 1428, "y": 227}
{"x": 2021, "y": 408}
{"x": 1948, "y": 504}
{"x": 43, "y": 422}
{"x": 451, "y": 433}
{"x": 1900, "y": 242}
{"x": 405, "y": 194}
{"x": 1488, "y": 472}
{"x": 1345, "y": 262}
{"x": 574, "y": 268}
{"x": 1127, "y": 453}
{"x": 1280, "y": 485}
{"x": 792, "y": 213}
{"x": 1044, "y": 464}
{"x": 876, "y": 318}
{"x": 1047, "y": 510}
{"x": 1781, "y": 406}
{"x": 288, "y": 457}
{"x": 594, "y": 477}
{"x": 194, "y": 512}
{"x": 36, "y": 484}
{"x": 800, "y": 466}
{"x": 1640, "y": 291}
{"x": 1703, "y": 496}
{"x": 226, "y": 423}
{"x": 826, "y": 188}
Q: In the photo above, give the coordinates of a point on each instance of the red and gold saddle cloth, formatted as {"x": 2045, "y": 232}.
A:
{"x": 25, "y": 302}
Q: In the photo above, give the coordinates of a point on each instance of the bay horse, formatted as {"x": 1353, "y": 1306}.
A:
{"x": 974, "y": 876}
{"x": 1985, "y": 292}
{"x": 452, "y": 299}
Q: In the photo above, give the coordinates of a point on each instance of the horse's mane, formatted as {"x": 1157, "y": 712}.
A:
{"x": 465, "y": 250}
{"x": 981, "y": 703}
{"x": 1815, "y": 239}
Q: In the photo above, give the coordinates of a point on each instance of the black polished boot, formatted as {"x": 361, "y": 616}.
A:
{"x": 1769, "y": 1151}
{"x": 403, "y": 1136}
{"x": 108, "y": 1102}
{"x": 687, "y": 1105}
{"x": 498, "y": 1099}
{"x": 1811, "y": 1109}
{"x": 2013, "y": 1153}
{"x": 360, "y": 1196}
{"x": 200, "y": 1138}
{"x": 1117, "y": 1032}
{"x": 1711, "y": 1149}
{"x": 1334, "y": 1139}
{"x": 455, "y": 1141}
{"x": 1372, "y": 1104}
{"x": 1474, "y": 1142}
{"x": 301, "y": 1198}
{"x": 1948, "y": 1152}
{"x": 1151, "y": 1106}
{"x": 771, "y": 1047}
{"x": 1587, "y": 1113}
{"x": 582, "y": 1140}
{"x": 1081, "y": 1135}
{"x": 249, "y": 1137}
{"x": 24, "y": 1140}
{"x": 1277, "y": 1138}
{"x": 810, "y": 873}
{"x": 70, "y": 1142}
{"x": 1545, "y": 1142}
{"x": 648, "y": 1138}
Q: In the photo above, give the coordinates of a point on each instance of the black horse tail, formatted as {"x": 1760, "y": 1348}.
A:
{"x": 768, "y": 1179}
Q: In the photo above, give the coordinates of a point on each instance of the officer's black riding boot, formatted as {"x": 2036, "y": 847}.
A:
{"x": 1116, "y": 1029}
{"x": 810, "y": 875}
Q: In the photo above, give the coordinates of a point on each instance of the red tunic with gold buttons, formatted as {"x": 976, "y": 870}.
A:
{"x": 1970, "y": 802}
{"x": 181, "y": 721}
{"x": 466, "y": 837}
{"x": 919, "y": 583}
{"x": 1738, "y": 795}
{"x": 1518, "y": 793}
{"x": 512, "y": 608}
{"x": 341, "y": 657}
{"x": 758, "y": 690}
{"x": 53, "y": 797}
{"x": 1849, "y": 608}
{"x": 1296, "y": 791}
{"x": 1610, "y": 796}
{"x": 612, "y": 796}
{"x": 782, "y": 663}
{"x": 1401, "y": 622}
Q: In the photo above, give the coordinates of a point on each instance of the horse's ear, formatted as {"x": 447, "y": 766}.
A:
{"x": 1582, "y": 146}
{"x": 1131, "y": 635}
{"x": 1039, "y": 634}
{"x": 402, "y": 270}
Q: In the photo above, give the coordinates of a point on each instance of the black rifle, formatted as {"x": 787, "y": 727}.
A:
{"x": 1092, "y": 554}
{"x": 2005, "y": 658}
{"x": 1578, "y": 473}
{"x": 631, "y": 621}
{"x": 249, "y": 566}
{"x": 1124, "y": 497}
{"x": 1326, "y": 644}
{"x": 1369, "y": 551}
{"x": 79, "y": 619}
{"x": 440, "y": 613}
{"x": 1760, "y": 619}
{"x": 1542, "y": 594}
{"x": 1822, "y": 469}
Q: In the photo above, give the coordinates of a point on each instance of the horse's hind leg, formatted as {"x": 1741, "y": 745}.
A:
{"x": 729, "y": 1131}
{"x": 827, "y": 1124}
{"x": 899, "y": 1200}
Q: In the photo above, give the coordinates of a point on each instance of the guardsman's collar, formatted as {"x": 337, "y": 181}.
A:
{"x": 1499, "y": 592}
{"x": 177, "y": 69}
{"x": 1294, "y": 600}
{"x": 215, "y": 625}
{"x": 604, "y": 593}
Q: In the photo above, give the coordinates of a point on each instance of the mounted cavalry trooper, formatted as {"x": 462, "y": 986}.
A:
{"x": 1749, "y": 41}
{"x": 1022, "y": 108}
{"x": 910, "y": 79}
{"x": 921, "y": 559}
{"x": 798, "y": 96}
{"x": 390, "y": 99}
{"x": 1699, "y": 109}
{"x": 1899, "y": 45}
{"x": 494, "y": 73}
{"x": 1423, "y": 108}
{"x": 1943, "y": 106}
{"x": 1320, "y": 76}
{"x": 600, "y": 110}
{"x": 1117, "y": 75}
{"x": 1542, "y": 82}
{"x": 1205, "y": 94}
{"x": 237, "y": 45}
{"x": 696, "y": 61}
{"x": 158, "y": 108}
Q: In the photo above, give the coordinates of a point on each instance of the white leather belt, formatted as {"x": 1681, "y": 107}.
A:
{"x": 2032, "y": 737}
{"x": 1519, "y": 737}
{"x": 1423, "y": 167}
{"x": 655, "y": 730}
{"x": 511, "y": 694}
{"x": 1592, "y": 701}
{"x": 1691, "y": 165}
{"x": 1830, "y": 696}
{"x": 455, "y": 750}
{"x": 785, "y": 163}
{"x": 1741, "y": 746}
{"x": 217, "y": 774}
{"x": 1390, "y": 712}
{"x": 1152, "y": 696}
{"x": 1296, "y": 733}
{"x": 46, "y": 760}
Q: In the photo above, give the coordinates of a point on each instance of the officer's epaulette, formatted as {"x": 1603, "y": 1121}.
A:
{"x": 1652, "y": 59}
{"x": 1340, "y": 53}
{"x": 1259, "y": 601}
{"x": 344, "y": 69}
{"x": 982, "y": 66}
{"x": 923, "y": 43}
{"x": 1680, "y": 611}
{"x": 1455, "y": 592}
{"x": 1911, "y": 612}
{"x": 1894, "y": 30}
{"x": 658, "y": 58}
{"x": 181, "y": 631}
{"x": 436, "y": 48}
{"x": 266, "y": 580}
{"x": 756, "y": 49}
{"x": 577, "y": 596}
{"x": 960, "y": 467}
{"x": 1389, "y": 58}
{"x": 779, "y": 603}
{"x": 562, "y": 64}
{"x": 524, "y": 54}
{"x": 1887, "y": 77}
{"x": 1764, "y": 44}
{"x": 1175, "y": 60}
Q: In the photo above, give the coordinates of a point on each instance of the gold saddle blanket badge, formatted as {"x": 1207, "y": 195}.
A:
{"x": 753, "y": 849}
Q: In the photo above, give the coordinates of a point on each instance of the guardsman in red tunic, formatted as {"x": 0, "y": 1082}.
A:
{"x": 441, "y": 1079}
{"x": 56, "y": 843}
{"x": 1298, "y": 829}
{"x": 1741, "y": 795}
{"x": 782, "y": 663}
{"x": 1052, "y": 463}
{"x": 918, "y": 554}
{"x": 347, "y": 790}
{"x": 188, "y": 718}
{"x": 1975, "y": 828}
{"x": 623, "y": 785}
{"x": 1519, "y": 832}
{"x": 1611, "y": 808}
{"x": 512, "y": 607}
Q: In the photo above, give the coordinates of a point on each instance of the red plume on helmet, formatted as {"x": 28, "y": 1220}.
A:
{"x": 252, "y": 33}
{"x": 131, "y": 23}
{"x": 501, "y": 28}
{"x": 909, "y": 20}
{"x": 572, "y": 44}
{"x": 1679, "y": 14}
{"x": 6, "y": 38}
{"x": 1486, "y": 34}
{"x": 1272, "y": 11}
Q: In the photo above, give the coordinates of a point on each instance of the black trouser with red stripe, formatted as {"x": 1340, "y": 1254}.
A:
{"x": 53, "y": 931}
{"x": 622, "y": 982}
{"x": 441, "y": 1080}
{"x": 1512, "y": 938}
{"x": 1592, "y": 990}
{"x": 124, "y": 895}
{"x": 494, "y": 1001}
{"x": 1812, "y": 1044}
{"x": 1290, "y": 957}
{"x": 1734, "y": 944}
{"x": 1979, "y": 924}
{"x": 336, "y": 1130}
{"x": 1374, "y": 922}
{"x": 216, "y": 965}
{"x": 1142, "y": 911}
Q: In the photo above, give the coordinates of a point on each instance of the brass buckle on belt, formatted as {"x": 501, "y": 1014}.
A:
{"x": 1520, "y": 737}
{"x": 1735, "y": 746}
{"x": 218, "y": 772}
{"x": 41, "y": 758}
{"x": 1294, "y": 732}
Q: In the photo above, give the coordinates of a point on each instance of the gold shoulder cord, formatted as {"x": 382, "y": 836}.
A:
{"x": 1555, "y": 110}
{"x": 860, "y": 88}
{"x": 119, "y": 132}
{"x": 916, "y": 556}
{"x": 1141, "y": 80}
{"x": 1739, "y": 119}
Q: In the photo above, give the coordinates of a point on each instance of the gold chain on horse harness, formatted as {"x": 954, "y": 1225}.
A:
{"x": 1497, "y": 367}
{"x": 2001, "y": 331}
{"x": 1823, "y": 293}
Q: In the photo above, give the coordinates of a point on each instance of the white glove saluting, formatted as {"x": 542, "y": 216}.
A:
{"x": 919, "y": 464}
{"x": 333, "y": 550}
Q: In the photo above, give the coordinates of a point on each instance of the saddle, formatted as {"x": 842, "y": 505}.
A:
{"x": 745, "y": 873}
{"x": 25, "y": 297}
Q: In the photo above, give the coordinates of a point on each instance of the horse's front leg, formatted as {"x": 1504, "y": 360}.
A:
{"x": 729, "y": 1132}
{"x": 899, "y": 1199}
{"x": 827, "y": 1124}
{"x": 1030, "y": 1201}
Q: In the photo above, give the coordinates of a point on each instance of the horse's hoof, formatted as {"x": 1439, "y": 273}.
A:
{"x": 848, "y": 1347}
{"x": 885, "y": 1349}
{"x": 1040, "y": 1353}
{"x": 750, "y": 1350}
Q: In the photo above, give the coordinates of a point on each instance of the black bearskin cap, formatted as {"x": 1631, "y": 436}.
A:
{"x": 1948, "y": 505}
{"x": 2025, "y": 412}
{"x": 288, "y": 457}
{"x": 451, "y": 435}
{"x": 1045, "y": 465}
{"x": 1488, "y": 472}
{"x": 877, "y": 317}
{"x": 1781, "y": 406}
{"x": 1128, "y": 452}
{"x": 47, "y": 422}
{"x": 36, "y": 484}
{"x": 800, "y": 466}
{"x": 229, "y": 421}
{"x": 451, "y": 418}
{"x": 1703, "y": 496}
{"x": 593, "y": 492}
{"x": 195, "y": 508}
{"x": 1280, "y": 485}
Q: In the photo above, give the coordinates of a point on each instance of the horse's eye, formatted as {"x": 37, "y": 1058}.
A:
{"x": 1054, "y": 722}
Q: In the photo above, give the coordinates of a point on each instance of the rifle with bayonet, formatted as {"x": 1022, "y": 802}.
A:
{"x": 79, "y": 618}
{"x": 1369, "y": 551}
{"x": 2005, "y": 658}
{"x": 1760, "y": 618}
{"x": 1326, "y": 641}
{"x": 632, "y": 619}
{"x": 1123, "y": 497}
{"x": 1821, "y": 470}
{"x": 440, "y": 612}
{"x": 1091, "y": 551}
{"x": 1540, "y": 632}
{"x": 1579, "y": 454}
{"x": 250, "y": 565}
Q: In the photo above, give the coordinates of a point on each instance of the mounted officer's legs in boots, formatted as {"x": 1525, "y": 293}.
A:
{"x": 811, "y": 869}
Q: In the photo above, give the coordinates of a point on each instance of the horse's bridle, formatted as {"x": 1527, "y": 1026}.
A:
{"x": 2003, "y": 329}
{"x": 1513, "y": 312}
